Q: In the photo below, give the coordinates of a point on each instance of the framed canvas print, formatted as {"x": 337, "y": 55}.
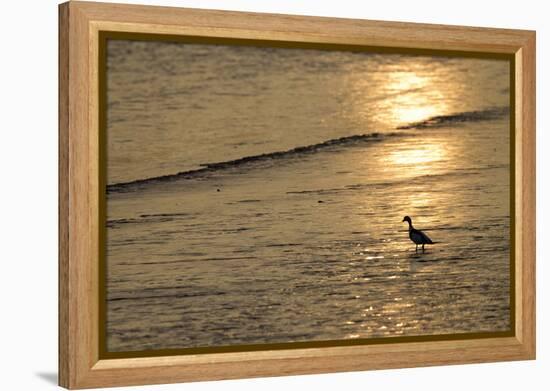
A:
{"x": 248, "y": 195}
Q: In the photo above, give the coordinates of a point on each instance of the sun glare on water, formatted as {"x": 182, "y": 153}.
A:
{"x": 413, "y": 98}
{"x": 417, "y": 157}
{"x": 389, "y": 96}
{"x": 424, "y": 153}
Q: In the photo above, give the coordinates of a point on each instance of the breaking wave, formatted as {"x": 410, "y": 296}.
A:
{"x": 359, "y": 139}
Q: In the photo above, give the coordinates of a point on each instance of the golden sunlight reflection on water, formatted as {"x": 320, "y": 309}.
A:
{"x": 413, "y": 97}
{"x": 414, "y": 91}
{"x": 422, "y": 154}
{"x": 425, "y": 155}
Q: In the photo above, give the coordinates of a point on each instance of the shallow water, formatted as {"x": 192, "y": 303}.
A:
{"x": 303, "y": 244}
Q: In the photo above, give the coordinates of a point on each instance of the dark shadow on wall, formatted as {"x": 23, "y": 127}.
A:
{"x": 49, "y": 377}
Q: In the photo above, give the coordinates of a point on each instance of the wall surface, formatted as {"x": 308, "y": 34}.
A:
{"x": 28, "y": 154}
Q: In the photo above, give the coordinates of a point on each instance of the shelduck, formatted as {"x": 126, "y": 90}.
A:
{"x": 417, "y": 236}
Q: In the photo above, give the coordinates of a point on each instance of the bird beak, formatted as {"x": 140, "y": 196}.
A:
{"x": 403, "y": 220}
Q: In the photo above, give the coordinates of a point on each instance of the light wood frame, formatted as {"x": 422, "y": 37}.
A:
{"x": 79, "y": 25}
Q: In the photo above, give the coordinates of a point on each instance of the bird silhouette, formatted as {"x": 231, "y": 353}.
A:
{"x": 417, "y": 236}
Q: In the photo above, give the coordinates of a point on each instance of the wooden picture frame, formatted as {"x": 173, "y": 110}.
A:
{"x": 80, "y": 363}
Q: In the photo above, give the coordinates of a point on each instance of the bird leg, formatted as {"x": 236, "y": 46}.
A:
{"x": 422, "y": 247}
{"x": 416, "y": 249}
